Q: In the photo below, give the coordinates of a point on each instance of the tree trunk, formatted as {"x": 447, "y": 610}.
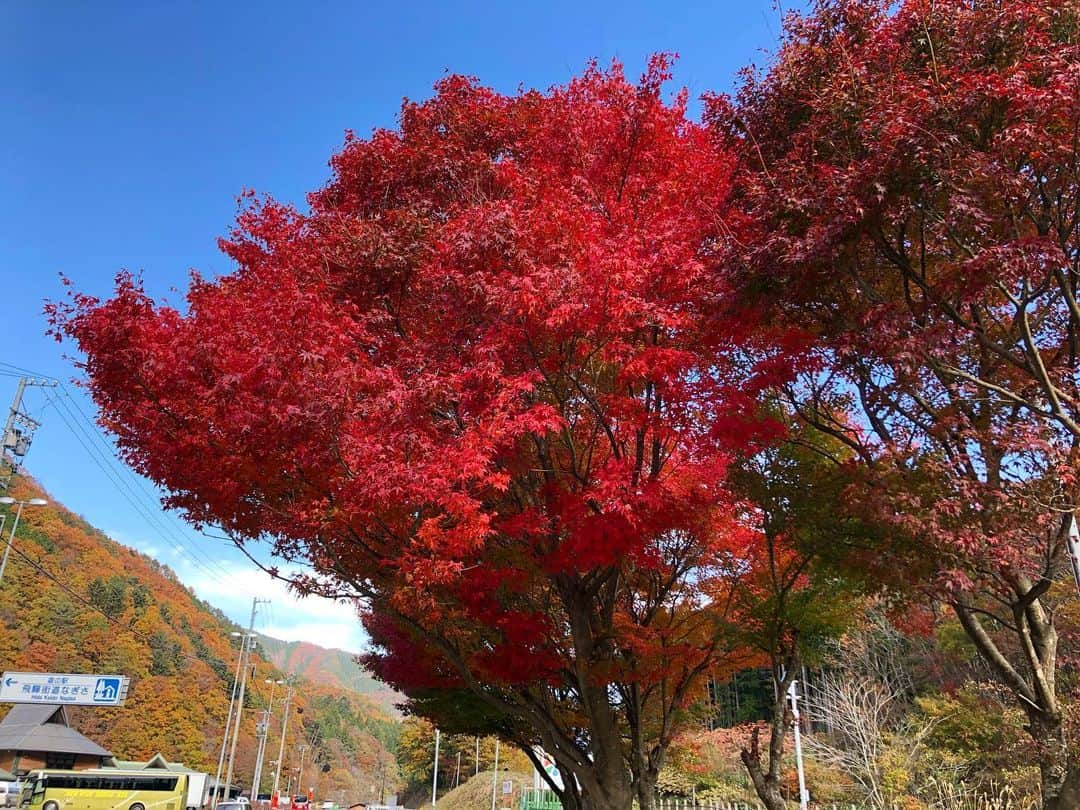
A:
{"x": 606, "y": 783}
{"x": 570, "y": 798}
{"x": 596, "y": 785}
{"x": 573, "y": 798}
{"x": 766, "y": 776}
{"x": 1059, "y": 778}
{"x": 1070, "y": 789}
{"x": 1034, "y": 686}
{"x": 646, "y": 789}
{"x": 610, "y": 797}
{"x": 766, "y": 785}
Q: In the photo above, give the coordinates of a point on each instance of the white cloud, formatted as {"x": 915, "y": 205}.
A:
{"x": 320, "y": 621}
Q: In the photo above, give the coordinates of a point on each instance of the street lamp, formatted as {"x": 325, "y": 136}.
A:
{"x": 18, "y": 514}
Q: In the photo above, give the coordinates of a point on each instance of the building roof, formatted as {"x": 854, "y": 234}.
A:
{"x": 41, "y": 727}
{"x": 156, "y": 763}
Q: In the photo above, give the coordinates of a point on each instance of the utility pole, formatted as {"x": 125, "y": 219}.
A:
{"x": 15, "y": 525}
{"x": 300, "y": 771}
{"x": 382, "y": 779}
{"x": 18, "y": 430}
{"x": 495, "y": 774}
{"x": 263, "y": 732}
{"x": 228, "y": 724}
{"x": 284, "y": 728}
{"x": 262, "y": 729}
{"x": 245, "y": 654}
{"x": 315, "y": 741}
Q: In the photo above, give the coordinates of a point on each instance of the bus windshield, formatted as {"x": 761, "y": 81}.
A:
{"x": 32, "y": 787}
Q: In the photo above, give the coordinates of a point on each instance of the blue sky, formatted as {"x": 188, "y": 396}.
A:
{"x": 128, "y": 130}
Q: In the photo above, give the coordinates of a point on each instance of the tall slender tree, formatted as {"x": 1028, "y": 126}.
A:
{"x": 799, "y": 590}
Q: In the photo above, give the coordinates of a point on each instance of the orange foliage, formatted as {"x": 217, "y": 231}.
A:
{"x": 120, "y": 611}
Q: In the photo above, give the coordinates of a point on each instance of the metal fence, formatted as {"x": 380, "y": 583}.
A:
{"x": 535, "y": 799}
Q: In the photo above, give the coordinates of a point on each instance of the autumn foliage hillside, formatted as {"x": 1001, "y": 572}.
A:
{"x": 72, "y": 600}
{"x": 333, "y": 668}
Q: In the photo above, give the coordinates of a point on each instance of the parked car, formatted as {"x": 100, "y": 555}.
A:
{"x": 9, "y": 793}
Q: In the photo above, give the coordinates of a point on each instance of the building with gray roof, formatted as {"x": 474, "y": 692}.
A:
{"x": 34, "y": 735}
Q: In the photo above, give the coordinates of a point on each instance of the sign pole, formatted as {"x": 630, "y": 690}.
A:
{"x": 804, "y": 797}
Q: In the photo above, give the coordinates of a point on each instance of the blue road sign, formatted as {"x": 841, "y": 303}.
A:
{"x": 63, "y": 688}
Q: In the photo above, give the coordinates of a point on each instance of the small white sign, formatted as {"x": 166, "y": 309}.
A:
{"x": 63, "y": 688}
{"x": 508, "y": 787}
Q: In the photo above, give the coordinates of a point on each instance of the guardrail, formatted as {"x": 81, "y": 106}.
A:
{"x": 538, "y": 799}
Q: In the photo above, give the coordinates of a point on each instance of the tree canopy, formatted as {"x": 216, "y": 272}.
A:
{"x": 911, "y": 175}
{"x": 486, "y": 383}
{"x": 583, "y": 400}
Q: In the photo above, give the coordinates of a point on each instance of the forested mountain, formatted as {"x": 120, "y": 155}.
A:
{"x": 72, "y": 600}
{"x": 332, "y": 668}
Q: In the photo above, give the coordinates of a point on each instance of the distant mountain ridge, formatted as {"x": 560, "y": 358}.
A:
{"x": 331, "y": 668}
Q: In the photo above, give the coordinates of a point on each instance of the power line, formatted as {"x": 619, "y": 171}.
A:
{"x": 24, "y": 371}
{"x": 73, "y": 408}
{"x": 77, "y": 421}
{"x": 94, "y": 431}
{"x": 145, "y": 502}
{"x": 87, "y": 603}
{"x": 105, "y": 465}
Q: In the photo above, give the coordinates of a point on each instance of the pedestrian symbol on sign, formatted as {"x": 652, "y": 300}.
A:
{"x": 107, "y": 690}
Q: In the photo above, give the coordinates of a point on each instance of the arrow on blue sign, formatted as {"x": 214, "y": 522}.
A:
{"x": 10, "y": 681}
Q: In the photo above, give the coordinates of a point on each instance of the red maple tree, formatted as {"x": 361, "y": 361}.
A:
{"x": 912, "y": 172}
{"x": 483, "y": 383}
